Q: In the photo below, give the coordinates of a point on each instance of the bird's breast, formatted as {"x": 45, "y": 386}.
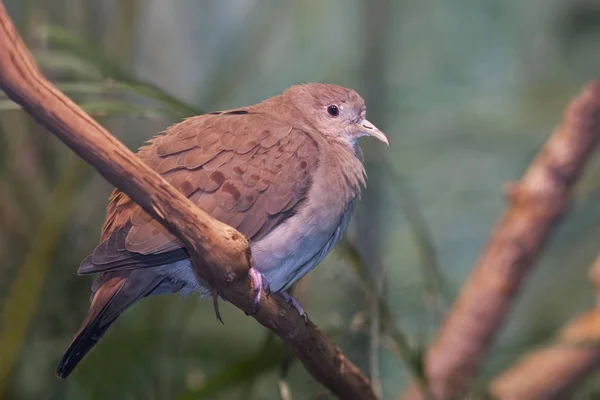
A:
{"x": 302, "y": 241}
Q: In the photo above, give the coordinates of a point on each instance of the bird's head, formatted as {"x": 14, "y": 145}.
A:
{"x": 337, "y": 112}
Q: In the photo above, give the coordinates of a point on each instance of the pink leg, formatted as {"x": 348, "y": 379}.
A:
{"x": 259, "y": 283}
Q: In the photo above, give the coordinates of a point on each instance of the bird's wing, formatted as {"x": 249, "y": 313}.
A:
{"x": 245, "y": 169}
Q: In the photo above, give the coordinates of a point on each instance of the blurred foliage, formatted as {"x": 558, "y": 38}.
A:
{"x": 467, "y": 92}
{"x": 61, "y": 40}
{"x": 22, "y": 299}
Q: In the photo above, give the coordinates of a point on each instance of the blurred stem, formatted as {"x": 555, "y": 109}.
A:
{"x": 394, "y": 335}
{"x": 74, "y": 15}
{"x": 375, "y": 333}
{"x": 24, "y": 293}
{"x": 437, "y": 288}
{"x": 432, "y": 278}
{"x": 284, "y": 390}
{"x": 121, "y": 37}
{"x": 375, "y": 21}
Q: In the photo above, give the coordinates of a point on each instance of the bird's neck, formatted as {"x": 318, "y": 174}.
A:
{"x": 336, "y": 154}
{"x": 345, "y": 159}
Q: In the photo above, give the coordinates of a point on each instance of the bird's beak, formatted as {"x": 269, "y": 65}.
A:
{"x": 373, "y": 131}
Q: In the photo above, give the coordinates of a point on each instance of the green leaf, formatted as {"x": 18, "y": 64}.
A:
{"x": 64, "y": 62}
{"x": 90, "y": 88}
{"x": 73, "y": 44}
{"x": 110, "y": 108}
{"x": 114, "y": 108}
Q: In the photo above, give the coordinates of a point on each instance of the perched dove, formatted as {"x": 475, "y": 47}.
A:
{"x": 285, "y": 173}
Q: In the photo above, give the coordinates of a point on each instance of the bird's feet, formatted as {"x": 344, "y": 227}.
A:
{"x": 259, "y": 283}
{"x": 292, "y": 302}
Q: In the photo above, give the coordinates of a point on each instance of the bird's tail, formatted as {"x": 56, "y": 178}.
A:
{"x": 113, "y": 294}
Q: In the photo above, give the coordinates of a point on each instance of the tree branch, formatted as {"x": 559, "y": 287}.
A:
{"x": 219, "y": 253}
{"x": 557, "y": 370}
{"x": 536, "y": 204}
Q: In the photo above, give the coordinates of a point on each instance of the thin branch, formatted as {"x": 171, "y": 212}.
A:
{"x": 536, "y": 204}
{"x": 556, "y": 371}
{"x": 220, "y": 254}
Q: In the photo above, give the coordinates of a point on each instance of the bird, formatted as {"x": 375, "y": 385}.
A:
{"x": 285, "y": 172}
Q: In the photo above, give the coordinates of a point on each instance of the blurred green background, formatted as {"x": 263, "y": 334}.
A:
{"x": 466, "y": 90}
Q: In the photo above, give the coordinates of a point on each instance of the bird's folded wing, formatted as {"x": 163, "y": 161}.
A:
{"x": 245, "y": 169}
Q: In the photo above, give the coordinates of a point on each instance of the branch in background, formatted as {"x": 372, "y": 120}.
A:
{"x": 557, "y": 370}
{"x": 222, "y": 252}
{"x": 536, "y": 204}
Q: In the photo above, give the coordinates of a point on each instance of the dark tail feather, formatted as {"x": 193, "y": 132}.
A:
{"x": 114, "y": 294}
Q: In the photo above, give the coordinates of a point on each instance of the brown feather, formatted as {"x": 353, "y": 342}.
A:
{"x": 247, "y": 170}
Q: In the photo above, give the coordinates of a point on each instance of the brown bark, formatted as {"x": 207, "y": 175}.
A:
{"x": 554, "y": 372}
{"x": 536, "y": 204}
{"x": 221, "y": 252}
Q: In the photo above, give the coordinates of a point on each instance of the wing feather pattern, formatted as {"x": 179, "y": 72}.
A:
{"x": 245, "y": 169}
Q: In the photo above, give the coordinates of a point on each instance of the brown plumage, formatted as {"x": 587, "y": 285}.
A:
{"x": 284, "y": 172}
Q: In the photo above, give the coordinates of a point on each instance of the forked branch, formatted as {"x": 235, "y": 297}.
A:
{"x": 536, "y": 203}
{"x": 555, "y": 371}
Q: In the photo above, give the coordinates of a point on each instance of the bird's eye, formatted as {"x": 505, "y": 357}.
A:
{"x": 332, "y": 110}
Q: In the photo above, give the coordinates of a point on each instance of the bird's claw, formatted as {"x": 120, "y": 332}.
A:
{"x": 215, "y": 298}
{"x": 292, "y": 302}
{"x": 259, "y": 283}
